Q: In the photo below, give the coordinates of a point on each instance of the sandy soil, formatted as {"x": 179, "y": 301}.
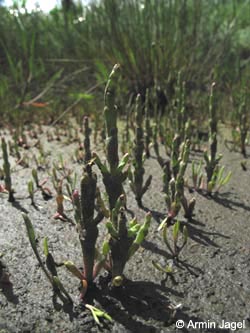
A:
{"x": 211, "y": 283}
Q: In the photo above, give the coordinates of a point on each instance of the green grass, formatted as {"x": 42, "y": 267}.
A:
{"x": 57, "y": 58}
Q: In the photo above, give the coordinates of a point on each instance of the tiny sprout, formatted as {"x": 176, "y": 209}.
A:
{"x": 97, "y": 313}
{"x": 31, "y": 192}
{"x": 7, "y": 171}
{"x": 175, "y": 249}
{"x": 168, "y": 269}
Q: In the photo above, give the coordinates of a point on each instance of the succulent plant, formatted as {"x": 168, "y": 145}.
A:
{"x": 125, "y": 239}
{"x": 49, "y": 268}
{"x": 148, "y": 129}
{"x": 175, "y": 248}
{"x": 86, "y": 143}
{"x": 136, "y": 175}
{"x": 7, "y": 171}
{"x": 114, "y": 176}
{"x": 212, "y": 159}
{"x": 87, "y": 223}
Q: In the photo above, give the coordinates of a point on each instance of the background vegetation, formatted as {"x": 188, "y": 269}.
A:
{"x": 51, "y": 63}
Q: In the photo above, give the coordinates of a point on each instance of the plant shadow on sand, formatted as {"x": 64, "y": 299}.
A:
{"x": 156, "y": 215}
{"x": 167, "y": 256}
{"x": 64, "y": 305}
{"x": 16, "y": 204}
{"x": 225, "y": 199}
{"x": 7, "y": 291}
{"x": 202, "y": 236}
{"x": 137, "y": 304}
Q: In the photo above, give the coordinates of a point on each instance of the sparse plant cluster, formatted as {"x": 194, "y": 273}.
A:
{"x": 172, "y": 147}
{"x": 215, "y": 177}
{"x": 162, "y": 119}
{"x": 123, "y": 236}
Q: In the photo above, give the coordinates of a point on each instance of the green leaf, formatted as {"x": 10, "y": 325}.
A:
{"x": 30, "y": 231}
{"x": 84, "y": 96}
{"x": 31, "y": 187}
{"x": 167, "y": 269}
{"x": 227, "y": 178}
{"x": 97, "y": 313}
{"x": 73, "y": 269}
{"x": 185, "y": 234}
{"x": 105, "y": 248}
{"x": 100, "y": 165}
{"x": 176, "y": 231}
{"x": 163, "y": 223}
{"x": 123, "y": 162}
{"x": 45, "y": 247}
{"x": 112, "y": 231}
{"x": 133, "y": 222}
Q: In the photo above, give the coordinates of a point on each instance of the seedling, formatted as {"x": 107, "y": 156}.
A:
{"x": 87, "y": 224}
{"x": 167, "y": 269}
{"x": 46, "y": 192}
{"x": 243, "y": 126}
{"x": 71, "y": 184}
{"x": 240, "y": 131}
{"x": 148, "y": 129}
{"x": 218, "y": 179}
{"x": 86, "y": 142}
{"x": 50, "y": 266}
{"x": 31, "y": 191}
{"x": 211, "y": 159}
{"x": 197, "y": 175}
{"x": 7, "y": 171}
{"x": 174, "y": 189}
{"x": 50, "y": 270}
{"x": 60, "y": 215}
{"x": 113, "y": 177}
{"x": 125, "y": 239}
{"x": 97, "y": 313}
{"x": 136, "y": 175}
{"x": 173, "y": 246}
{"x": 180, "y": 107}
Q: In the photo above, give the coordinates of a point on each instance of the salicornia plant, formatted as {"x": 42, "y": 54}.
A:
{"x": 197, "y": 175}
{"x": 180, "y": 107}
{"x": 113, "y": 177}
{"x": 136, "y": 174}
{"x": 218, "y": 179}
{"x": 243, "y": 123}
{"x": 174, "y": 246}
{"x": 213, "y": 170}
{"x": 7, "y": 171}
{"x": 50, "y": 267}
{"x": 125, "y": 239}
{"x": 212, "y": 159}
{"x": 86, "y": 142}
{"x": 148, "y": 129}
{"x": 174, "y": 189}
{"x": 60, "y": 214}
{"x": 31, "y": 192}
{"x": 87, "y": 223}
{"x": 40, "y": 185}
